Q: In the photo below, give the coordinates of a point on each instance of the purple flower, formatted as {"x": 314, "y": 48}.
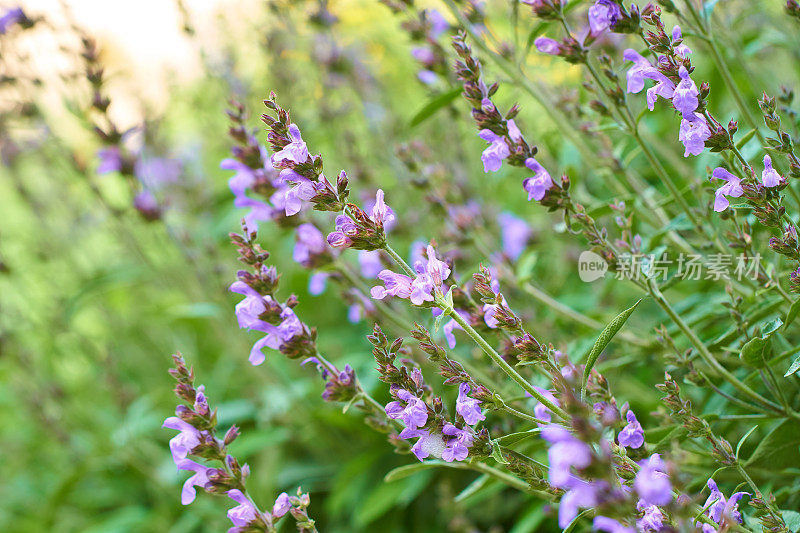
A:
{"x": 652, "y": 483}
{"x": 414, "y": 414}
{"x": 147, "y": 205}
{"x": 295, "y": 152}
{"x": 681, "y": 49}
{"x": 302, "y": 190}
{"x": 310, "y": 243}
{"x": 770, "y": 177}
{"x": 317, "y": 283}
{"x": 468, "y": 408}
{"x": 684, "y": 97}
{"x": 693, "y": 134}
{"x": 380, "y": 213}
{"x": 732, "y": 188}
{"x": 581, "y": 494}
{"x": 438, "y": 23}
{"x": 640, "y": 70}
{"x": 199, "y": 479}
{"x": 259, "y": 211}
{"x": 429, "y": 444}
{"x": 450, "y": 326}
{"x": 632, "y": 435}
{"x": 10, "y": 17}
{"x": 653, "y": 518}
{"x": 397, "y": 285}
{"x": 157, "y": 171}
{"x": 428, "y": 77}
{"x": 110, "y": 158}
{"x": 547, "y": 45}
{"x": 244, "y": 178}
{"x": 541, "y": 181}
{"x": 494, "y": 154}
{"x": 603, "y": 15}
{"x": 515, "y": 234}
{"x": 245, "y": 512}
{"x": 540, "y": 411}
{"x": 603, "y": 523}
{"x": 289, "y": 327}
{"x": 565, "y": 451}
{"x": 718, "y": 507}
{"x": 184, "y": 442}
{"x": 664, "y": 88}
{"x": 281, "y": 506}
{"x": 457, "y": 448}
{"x": 370, "y": 263}
{"x": 423, "y": 55}
{"x": 249, "y": 310}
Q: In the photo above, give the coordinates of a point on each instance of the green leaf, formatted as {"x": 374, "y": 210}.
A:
{"x": 406, "y": 470}
{"x": 746, "y": 137}
{"x": 754, "y": 351}
{"x": 743, "y": 439}
{"x": 434, "y": 105}
{"x": 794, "y": 368}
{"x": 779, "y": 449}
{"x": 497, "y": 453}
{"x": 575, "y": 520}
{"x": 792, "y": 519}
{"x": 792, "y": 314}
{"x": 602, "y": 341}
{"x": 771, "y": 327}
{"x": 516, "y": 438}
{"x": 473, "y": 488}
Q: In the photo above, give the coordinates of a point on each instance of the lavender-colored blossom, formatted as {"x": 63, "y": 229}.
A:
{"x": 604, "y": 523}
{"x": 245, "y": 512}
{"x": 641, "y": 70}
{"x": 259, "y": 211}
{"x": 244, "y": 178}
{"x": 565, "y": 451}
{"x": 450, "y": 326}
{"x": 494, "y": 154}
{"x": 770, "y": 176}
{"x": 632, "y": 435}
{"x": 184, "y": 442}
{"x": 685, "y": 95}
{"x": 199, "y": 479}
{"x": 9, "y": 18}
{"x": 468, "y": 408}
{"x": 458, "y": 445}
{"x": 417, "y": 252}
{"x": 581, "y": 495}
{"x": 249, "y": 310}
{"x": 147, "y": 205}
{"x": 539, "y": 410}
{"x": 397, "y": 285}
{"x": 370, "y": 263}
{"x": 309, "y": 243}
{"x": 652, "y": 519}
{"x": 414, "y": 413}
{"x": 423, "y": 55}
{"x": 681, "y": 49}
{"x": 281, "y": 506}
{"x": 652, "y": 482}
{"x": 155, "y": 172}
{"x": 539, "y": 183}
{"x": 379, "y": 211}
{"x": 294, "y": 152}
{"x": 317, "y": 283}
{"x": 717, "y": 506}
{"x": 289, "y": 327}
{"x": 429, "y": 444}
{"x": 515, "y": 234}
{"x": 428, "y": 77}
{"x": 438, "y": 23}
{"x": 693, "y": 134}
{"x": 547, "y": 45}
{"x": 110, "y": 159}
{"x": 302, "y": 189}
{"x": 664, "y": 88}
{"x": 603, "y": 15}
{"x": 732, "y": 188}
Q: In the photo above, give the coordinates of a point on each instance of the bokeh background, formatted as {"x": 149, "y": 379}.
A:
{"x": 94, "y": 299}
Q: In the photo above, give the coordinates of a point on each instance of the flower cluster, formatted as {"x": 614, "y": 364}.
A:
{"x": 428, "y": 281}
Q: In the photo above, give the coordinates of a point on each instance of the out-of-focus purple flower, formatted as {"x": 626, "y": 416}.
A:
{"x": 494, "y": 154}
{"x": 732, "y": 188}
{"x": 652, "y": 483}
{"x": 565, "y": 451}
{"x": 281, "y": 506}
{"x": 414, "y": 413}
{"x": 450, "y": 326}
{"x": 110, "y": 159}
{"x": 147, "y": 205}
{"x": 515, "y": 234}
{"x": 653, "y": 518}
{"x": 423, "y": 55}
{"x": 718, "y": 507}
{"x": 468, "y": 408}
{"x": 458, "y": 445}
{"x": 9, "y": 18}
{"x": 245, "y": 512}
{"x": 693, "y": 134}
{"x": 309, "y": 243}
{"x": 199, "y": 479}
{"x": 295, "y": 152}
{"x": 317, "y": 283}
{"x": 244, "y": 178}
{"x": 546, "y": 45}
{"x": 603, "y": 15}
{"x": 417, "y": 252}
{"x": 581, "y": 495}
{"x": 370, "y": 263}
{"x": 632, "y": 435}
{"x": 604, "y": 523}
{"x": 259, "y": 211}
{"x": 158, "y": 171}
{"x": 428, "y": 77}
{"x": 770, "y": 176}
{"x": 184, "y": 442}
{"x": 684, "y": 97}
{"x": 681, "y": 49}
{"x": 539, "y": 183}
{"x": 438, "y": 23}
{"x": 539, "y": 410}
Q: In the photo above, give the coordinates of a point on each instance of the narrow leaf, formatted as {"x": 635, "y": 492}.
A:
{"x": 602, "y": 341}
{"x": 744, "y": 438}
{"x": 792, "y": 314}
{"x": 473, "y": 487}
{"x": 435, "y": 105}
{"x": 794, "y": 368}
